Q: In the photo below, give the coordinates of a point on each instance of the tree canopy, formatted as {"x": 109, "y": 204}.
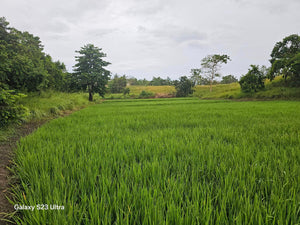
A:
{"x": 211, "y": 65}
{"x": 89, "y": 71}
{"x": 184, "y": 86}
{"x": 253, "y": 80}
{"x": 118, "y": 84}
{"x": 24, "y": 66}
{"x": 285, "y": 59}
{"x": 196, "y": 76}
{"x": 229, "y": 79}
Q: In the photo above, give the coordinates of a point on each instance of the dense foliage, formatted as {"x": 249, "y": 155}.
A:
{"x": 253, "y": 80}
{"x": 139, "y": 82}
{"x": 158, "y": 81}
{"x": 229, "y": 79}
{"x": 184, "y": 87}
{"x": 89, "y": 71}
{"x": 24, "y": 66}
{"x": 146, "y": 94}
{"x": 10, "y": 111}
{"x": 285, "y": 59}
{"x": 117, "y": 84}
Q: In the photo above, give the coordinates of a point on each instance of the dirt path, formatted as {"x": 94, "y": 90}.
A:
{"x": 6, "y": 154}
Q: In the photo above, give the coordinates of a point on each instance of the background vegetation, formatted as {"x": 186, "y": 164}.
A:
{"x": 25, "y": 68}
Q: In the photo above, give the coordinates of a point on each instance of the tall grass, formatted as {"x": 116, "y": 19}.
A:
{"x": 136, "y": 90}
{"x": 52, "y": 103}
{"x": 175, "y": 161}
{"x": 223, "y": 91}
{"x": 275, "y": 89}
{"x": 47, "y": 104}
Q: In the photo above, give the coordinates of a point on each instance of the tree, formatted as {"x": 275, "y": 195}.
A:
{"x": 24, "y": 66}
{"x": 285, "y": 59}
{"x": 253, "y": 80}
{"x": 118, "y": 84}
{"x": 196, "y": 76}
{"x": 57, "y": 74}
{"x": 184, "y": 87}
{"x": 90, "y": 72}
{"x": 228, "y": 79}
{"x": 211, "y": 65}
{"x": 126, "y": 91}
{"x": 158, "y": 81}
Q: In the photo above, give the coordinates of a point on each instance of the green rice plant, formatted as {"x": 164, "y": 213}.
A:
{"x": 164, "y": 161}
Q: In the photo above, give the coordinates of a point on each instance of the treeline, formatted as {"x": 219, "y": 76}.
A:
{"x": 26, "y": 68}
{"x": 285, "y": 62}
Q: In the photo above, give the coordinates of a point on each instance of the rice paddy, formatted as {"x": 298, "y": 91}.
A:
{"x": 163, "y": 161}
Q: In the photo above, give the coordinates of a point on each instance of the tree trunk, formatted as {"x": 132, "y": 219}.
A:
{"x": 211, "y": 80}
{"x": 90, "y": 96}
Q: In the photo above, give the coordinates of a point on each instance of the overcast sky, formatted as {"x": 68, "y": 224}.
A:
{"x": 146, "y": 38}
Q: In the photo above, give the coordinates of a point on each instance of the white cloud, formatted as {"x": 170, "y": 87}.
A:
{"x": 166, "y": 38}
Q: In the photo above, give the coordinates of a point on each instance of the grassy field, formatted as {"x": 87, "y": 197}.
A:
{"x": 273, "y": 90}
{"x": 164, "y": 161}
{"x": 52, "y": 103}
{"x": 48, "y": 105}
{"x": 223, "y": 91}
{"x": 135, "y": 91}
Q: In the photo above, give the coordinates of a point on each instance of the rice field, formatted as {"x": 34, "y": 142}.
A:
{"x": 163, "y": 161}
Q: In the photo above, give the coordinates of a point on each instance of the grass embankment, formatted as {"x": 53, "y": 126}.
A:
{"x": 152, "y": 91}
{"x": 136, "y": 90}
{"x": 164, "y": 161}
{"x": 47, "y": 105}
{"x": 273, "y": 90}
{"x": 53, "y": 103}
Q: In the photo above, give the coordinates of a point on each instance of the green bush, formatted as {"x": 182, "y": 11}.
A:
{"x": 126, "y": 91}
{"x": 184, "y": 87}
{"x": 253, "y": 80}
{"x": 10, "y": 110}
{"x": 146, "y": 94}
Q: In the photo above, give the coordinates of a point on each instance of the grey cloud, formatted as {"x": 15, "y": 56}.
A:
{"x": 179, "y": 34}
{"x": 196, "y": 44}
{"x": 141, "y": 29}
{"x": 100, "y": 32}
{"x": 146, "y": 7}
{"x": 58, "y": 25}
{"x": 74, "y": 11}
{"x": 270, "y": 6}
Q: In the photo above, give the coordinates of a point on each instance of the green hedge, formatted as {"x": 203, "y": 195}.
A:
{"x": 10, "y": 110}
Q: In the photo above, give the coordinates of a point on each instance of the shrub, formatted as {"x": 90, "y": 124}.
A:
{"x": 10, "y": 111}
{"x": 253, "y": 80}
{"x": 184, "y": 87}
{"x": 146, "y": 94}
{"x": 126, "y": 91}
